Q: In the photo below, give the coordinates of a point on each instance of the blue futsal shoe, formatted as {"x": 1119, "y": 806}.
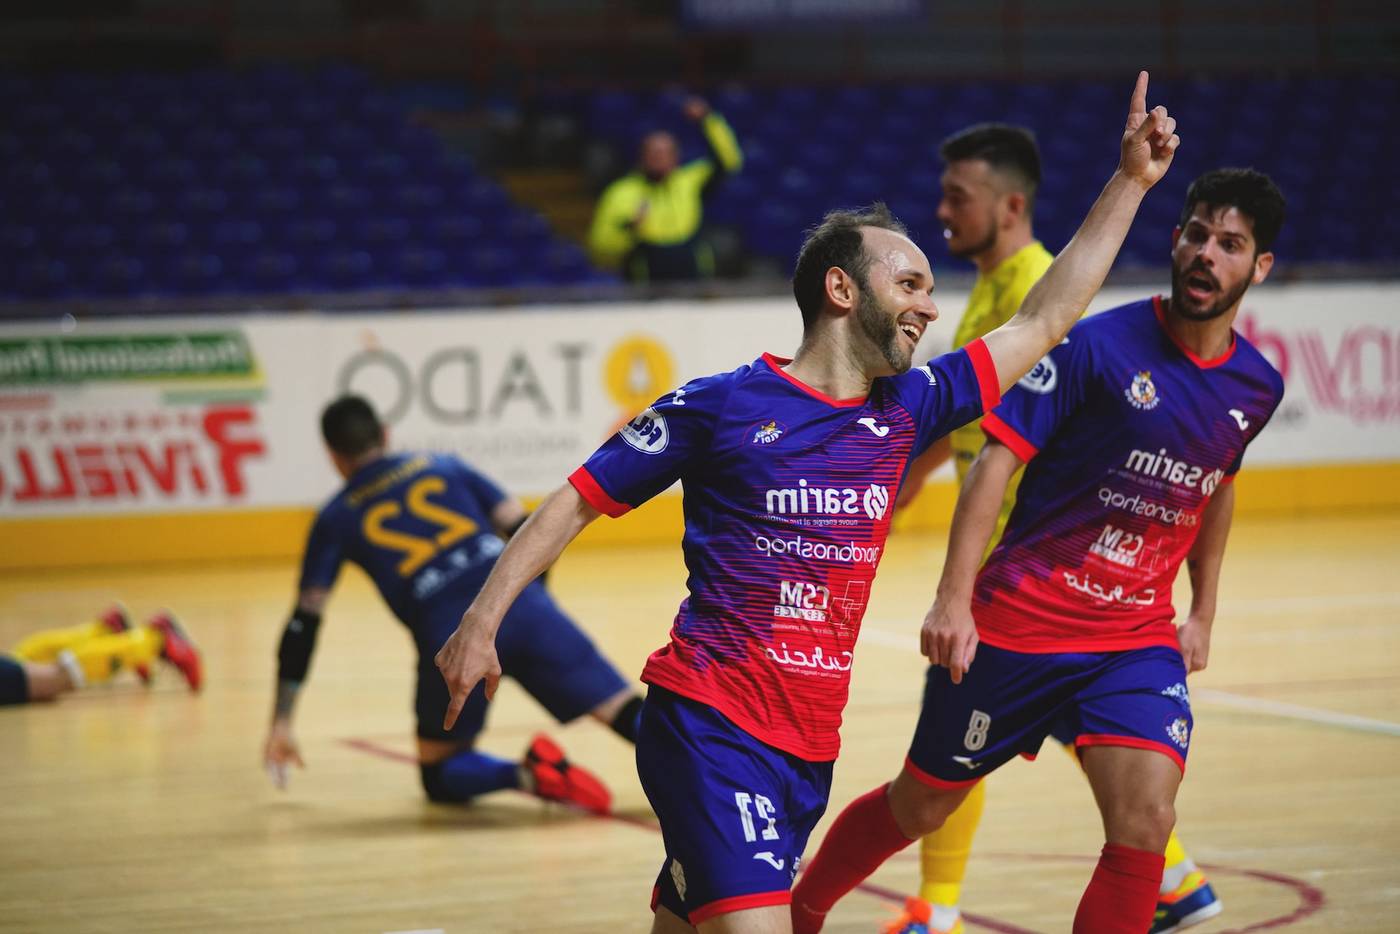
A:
{"x": 1193, "y": 901}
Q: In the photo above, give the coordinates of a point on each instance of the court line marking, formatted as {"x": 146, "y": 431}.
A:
{"x": 1274, "y": 708}
{"x": 1296, "y": 712}
{"x": 1311, "y": 897}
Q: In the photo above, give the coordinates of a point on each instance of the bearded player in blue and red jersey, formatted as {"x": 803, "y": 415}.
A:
{"x": 1132, "y": 430}
{"x": 790, "y": 468}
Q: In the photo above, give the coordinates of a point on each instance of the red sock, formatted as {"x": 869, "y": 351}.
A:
{"x": 863, "y": 837}
{"x": 1122, "y": 895}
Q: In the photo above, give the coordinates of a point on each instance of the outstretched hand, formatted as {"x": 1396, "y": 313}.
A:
{"x": 279, "y": 752}
{"x": 465, "y": 659}
{"x": 1149, "y": 140}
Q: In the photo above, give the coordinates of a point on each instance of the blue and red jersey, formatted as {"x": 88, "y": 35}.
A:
{"x": 1126, "y": 435}
{"x": 420, "y": 527}
{"x": 788, "y": 497}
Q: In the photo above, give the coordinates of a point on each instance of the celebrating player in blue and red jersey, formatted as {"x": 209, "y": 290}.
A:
{"x": 790, "y": 468}
{"x": 1132, "y": 430}
{"x": 427, "y": 528}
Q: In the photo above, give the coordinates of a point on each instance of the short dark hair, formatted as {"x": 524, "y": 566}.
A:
{"x": 836, "y": 241}
{"x": 350, "y": 426}
{"x": 1250, "y": 192}
{"x": 1008, "y": 149}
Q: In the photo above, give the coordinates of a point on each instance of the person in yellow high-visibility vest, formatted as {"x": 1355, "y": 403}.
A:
{"x": 647, "y": 223}
{"x": 989, "y": 187}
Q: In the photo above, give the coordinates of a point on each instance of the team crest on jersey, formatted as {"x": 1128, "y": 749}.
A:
{"x": 1143, "y": 392}
{"x": 678, "y": 876}
{"x": 767, "y": 432}
{"x": 1179, "y": 731}
{"x": 647, "y": 432}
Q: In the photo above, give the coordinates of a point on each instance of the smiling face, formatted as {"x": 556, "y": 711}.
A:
{"x": 1214, "y": 262}
{"x": 894, "y": 306}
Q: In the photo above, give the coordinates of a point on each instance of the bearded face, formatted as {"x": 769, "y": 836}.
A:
{"x": 1197, "y": 294}
{"x": 881, "y": 325}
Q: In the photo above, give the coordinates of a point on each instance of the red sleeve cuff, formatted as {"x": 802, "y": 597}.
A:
{"x": 593, "y": 494}
{"x": 986, "y": 370}
{"x": 994, "y": 427}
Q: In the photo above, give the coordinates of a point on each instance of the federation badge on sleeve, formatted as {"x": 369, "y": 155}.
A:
{"x": 647, "y": 432}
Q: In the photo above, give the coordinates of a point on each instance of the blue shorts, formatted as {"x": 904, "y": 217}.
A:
{"x": 735, "y": 812}
{"x": 1009, "y": 702}
{"x": 538, "y": 646}
{"x": 14, "y": 683}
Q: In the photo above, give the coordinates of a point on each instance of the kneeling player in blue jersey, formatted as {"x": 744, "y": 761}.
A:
{"x": 1132, "y": 434}
{"x": 790, "y": 469}
{"x": 427, "y": 530}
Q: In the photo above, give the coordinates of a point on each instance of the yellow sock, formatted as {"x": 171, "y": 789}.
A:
{"x": 1176, "y": 853}
{"x": 944, "y": 853}
{"x": 104, "y": 656}
{"x": 44, "y": 645}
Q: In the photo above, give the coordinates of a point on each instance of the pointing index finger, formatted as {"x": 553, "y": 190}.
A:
{"x": 1138, "y": 104}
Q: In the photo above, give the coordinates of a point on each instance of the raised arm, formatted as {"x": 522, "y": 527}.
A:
{"x": 469, "y": 655}
{"x": 1203, "y": 564}
{"x": 949, "y": 636}
{"x": 1055, "y": 302}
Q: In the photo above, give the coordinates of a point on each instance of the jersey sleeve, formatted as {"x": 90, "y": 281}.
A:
{"x": 653, "y": 450}
{"x": 320, "y": 565}
{"x": 950, "y": 391}
{"x": 1038, "y": 404}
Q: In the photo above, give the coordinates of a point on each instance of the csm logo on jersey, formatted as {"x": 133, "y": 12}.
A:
{"x": 1176, "y": 472}
{"x": 831, "y": 501}
{"x": 800, "y": 600}
{"x": 1118, "y": 546}
{"x": 647, "y": 433}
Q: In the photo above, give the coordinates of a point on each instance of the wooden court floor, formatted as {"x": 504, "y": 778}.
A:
{"x": 124, "y": 809}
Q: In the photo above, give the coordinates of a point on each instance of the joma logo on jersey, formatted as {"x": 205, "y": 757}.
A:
{"x": 1174, "y": 471}
{"x": 1118, "y": 546}
{"x": 800, "y": 600}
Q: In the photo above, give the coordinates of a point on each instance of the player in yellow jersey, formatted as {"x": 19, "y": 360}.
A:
{"x": 52, "y": 662}
{"x": 989, "y": 186}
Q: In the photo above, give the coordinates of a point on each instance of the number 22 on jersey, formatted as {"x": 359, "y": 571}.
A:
{"x": 417, "y": 550}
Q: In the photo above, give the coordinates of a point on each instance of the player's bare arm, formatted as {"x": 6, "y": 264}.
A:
{"x": 469, "y": 655}
{"x": 949, "y": 637}
{"x": 280, "y": 749}
{"x": 1055, "y": 303}
{"x": 1203, "y": 565}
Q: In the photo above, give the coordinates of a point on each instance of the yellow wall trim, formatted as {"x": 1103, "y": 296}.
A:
{"x": 175, "y": 538}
